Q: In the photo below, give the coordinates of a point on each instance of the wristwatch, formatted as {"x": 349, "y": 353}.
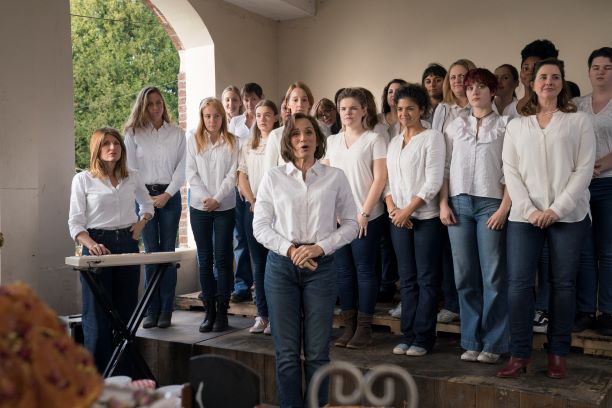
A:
{"x": 365, "y": 214}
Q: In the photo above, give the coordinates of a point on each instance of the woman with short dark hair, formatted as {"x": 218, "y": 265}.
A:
{"x": 299, "y": 207}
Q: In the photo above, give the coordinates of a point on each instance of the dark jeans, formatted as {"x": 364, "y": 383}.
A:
{"x": 418, "y": 260}
{"x": 542, "y": 291}
{"x": 386, "y": 262}
{"x": 524, "y": 246}
{"x": 596, "y": 257}
{"x": 301, "y": 312}
{"x": 121, "y": 285}
{"x": 356, "y": 268}
{"x": 212, "y": 232}
{"x": 449, "y": 289}
{"x": 259, "y": 253}
{"x": 159, "y": 235}
{"x": 244, "y": 273}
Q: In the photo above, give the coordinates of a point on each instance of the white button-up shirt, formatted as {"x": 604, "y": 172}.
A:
{"x": 509, "y": 111}
{"x": 357, "y": 162}
{"x": 95, "y": 203}
{"x": 293, "y": 210}
{"x": 474, "y": 163}
{"x": 238, "y": 128}
{"x": 211, "y": 173}
{"x": 602, "y": 125}
{"x": 158, "y": 155}
{"x": 549, "y": 168}
{"x": 416, "y": 169}
{"x": 272, "y": 155}
{"x": 251, "y": 163}
{"x": 445, "y": 113}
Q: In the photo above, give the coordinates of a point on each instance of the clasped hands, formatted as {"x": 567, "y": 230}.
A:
{"x": 543, "y": 219}
{"x": 210, "y": 204}
{"x": 400, "y": 217}
{"x": 303, "y": 256}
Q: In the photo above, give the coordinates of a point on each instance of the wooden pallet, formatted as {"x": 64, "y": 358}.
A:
{"x": 589, "y": 341}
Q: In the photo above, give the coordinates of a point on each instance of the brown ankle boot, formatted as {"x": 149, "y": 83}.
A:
{"x": 363, "y": 334}
{"x": 348, "y": 320}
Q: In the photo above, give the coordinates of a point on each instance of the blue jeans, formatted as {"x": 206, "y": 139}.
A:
{"x": 121, "y": 285}
{"x": 387, "y": 275}
{"x": 209, "y": 227}
{"x": 596, "y": 257}
{"x": 418, "y": 261}
{"x": 259, "y": 253}
{"x": 524, "y": 245}
{"x": 244, "y": 273}
{"x": 542, "y": 291}
{"x": 479, "y": 256}
{"x": 159, "y": 235}
{"x": 356, "y": 268}
{"x": 449, "y": 290}
{"x": 301, "y": 306}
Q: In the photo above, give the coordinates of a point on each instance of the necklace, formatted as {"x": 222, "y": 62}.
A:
{"x": 482, "y": 117}
{"x": 548, "y": 113}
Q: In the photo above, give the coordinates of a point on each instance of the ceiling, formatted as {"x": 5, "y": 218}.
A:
{"x": 278, "y": 9}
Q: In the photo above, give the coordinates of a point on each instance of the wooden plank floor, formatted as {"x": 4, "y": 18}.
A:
{"x": 443, "y": 380}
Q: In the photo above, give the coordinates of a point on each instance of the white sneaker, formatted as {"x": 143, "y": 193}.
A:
{"x": 268, "y": 329}
{"x": 259, "y": 326}
{"x": 488, "y": 358}
{"x": 470, "y": 355}
{"x": 396, "y": 311}
{"x": 416, "y": 351}
{"x": 540, "y": 321}
{"x": 446, "y": 316}
{"x": 401, "y": 348}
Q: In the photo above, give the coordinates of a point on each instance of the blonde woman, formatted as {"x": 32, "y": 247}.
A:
{"x": 156, "y": 149}
{"x": 212, "y": 159}
{"x": 232, "y": 103}
{"x": 102, "y": 219}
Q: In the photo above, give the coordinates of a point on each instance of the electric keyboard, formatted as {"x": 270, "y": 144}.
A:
{"x": 104, "y": 261}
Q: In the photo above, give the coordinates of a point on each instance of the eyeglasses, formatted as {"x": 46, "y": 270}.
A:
{"x": 326, "y": 114}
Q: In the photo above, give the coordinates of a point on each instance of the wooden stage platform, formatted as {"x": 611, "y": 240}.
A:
{"x": 443, "y": 380}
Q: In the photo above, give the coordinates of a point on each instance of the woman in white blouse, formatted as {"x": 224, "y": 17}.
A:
{"x": 102, "y": 219}
{"x": 299, "y": 206}
{"x": 298, "y": 99}
{"x": 230, "y": 97}
{"x": 212, "y": 160}
{"x": 476, "y": 205}
{"x": 548, "y": 156}
{"x": 453, "y": 105}
{"x": 250, "y": 173}
{"x": 505, "y": 100}
{"x": 596, "y": 268}
{"x": 156, "y": 149}
{"x": 361, "y": 154}
{"x": 415, "y": 164}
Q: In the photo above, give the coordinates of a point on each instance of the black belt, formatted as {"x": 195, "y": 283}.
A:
{"x": 118, "y": 231}
{"x": 297, "y": 245}
{"x": 157, "y": 188}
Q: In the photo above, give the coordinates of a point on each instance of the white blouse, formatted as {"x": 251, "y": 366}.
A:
{"x": 445, "y": 113}
{"x": 251, "y": 163}
{"x": 95, "y": 203}
{"x": 602, "y": 125}
{"x": 357, "y": 162}
{"x": 211, "y": 173}
{"x": 272, "y": 155}
{"x": 474, "y": 163}
{"x": 158, "y": 155}
{"x": 549, "y": 168}
{"x": 416, "y": 169}
{"x": 290, "y": 210}
{"x": 238, "y": 128}
{"x": 509, "y": 111}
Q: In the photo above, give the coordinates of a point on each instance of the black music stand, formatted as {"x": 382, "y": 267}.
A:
{"x": 124, "y": 335}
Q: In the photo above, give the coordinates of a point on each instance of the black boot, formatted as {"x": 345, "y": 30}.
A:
{"x": 221, "y": 323}
{"x": 211, "y": 316}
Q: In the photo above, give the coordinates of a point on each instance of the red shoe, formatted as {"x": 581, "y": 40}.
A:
{"x": 557, "y": 367}
{"x": 515, "y": 367}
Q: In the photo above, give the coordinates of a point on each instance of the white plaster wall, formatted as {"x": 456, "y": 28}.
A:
{"x": 37, "y": 148}
{"x": 367, "y": 43}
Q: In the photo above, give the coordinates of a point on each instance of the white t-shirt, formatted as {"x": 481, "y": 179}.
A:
{"x": 549, "y": 168}
{"x": 602, "y": 125}
{"x": 272, "y": 155}
{"x": 416, "y": 169}
{"x": 251, "y": 163}
{"x": 357, "y": 162}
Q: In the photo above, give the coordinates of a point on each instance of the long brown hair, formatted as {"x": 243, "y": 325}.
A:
{"x": 201, "y": 138}
{"x": 361, "y": 96}
{"x": 563, "y": 99}
{"x": 96, "y": 165}
{"x": 139, "y": 117}
{"x": 302, "y": 86}
{"x": 287, "y": 149}
{"x": 255, "y": 131}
